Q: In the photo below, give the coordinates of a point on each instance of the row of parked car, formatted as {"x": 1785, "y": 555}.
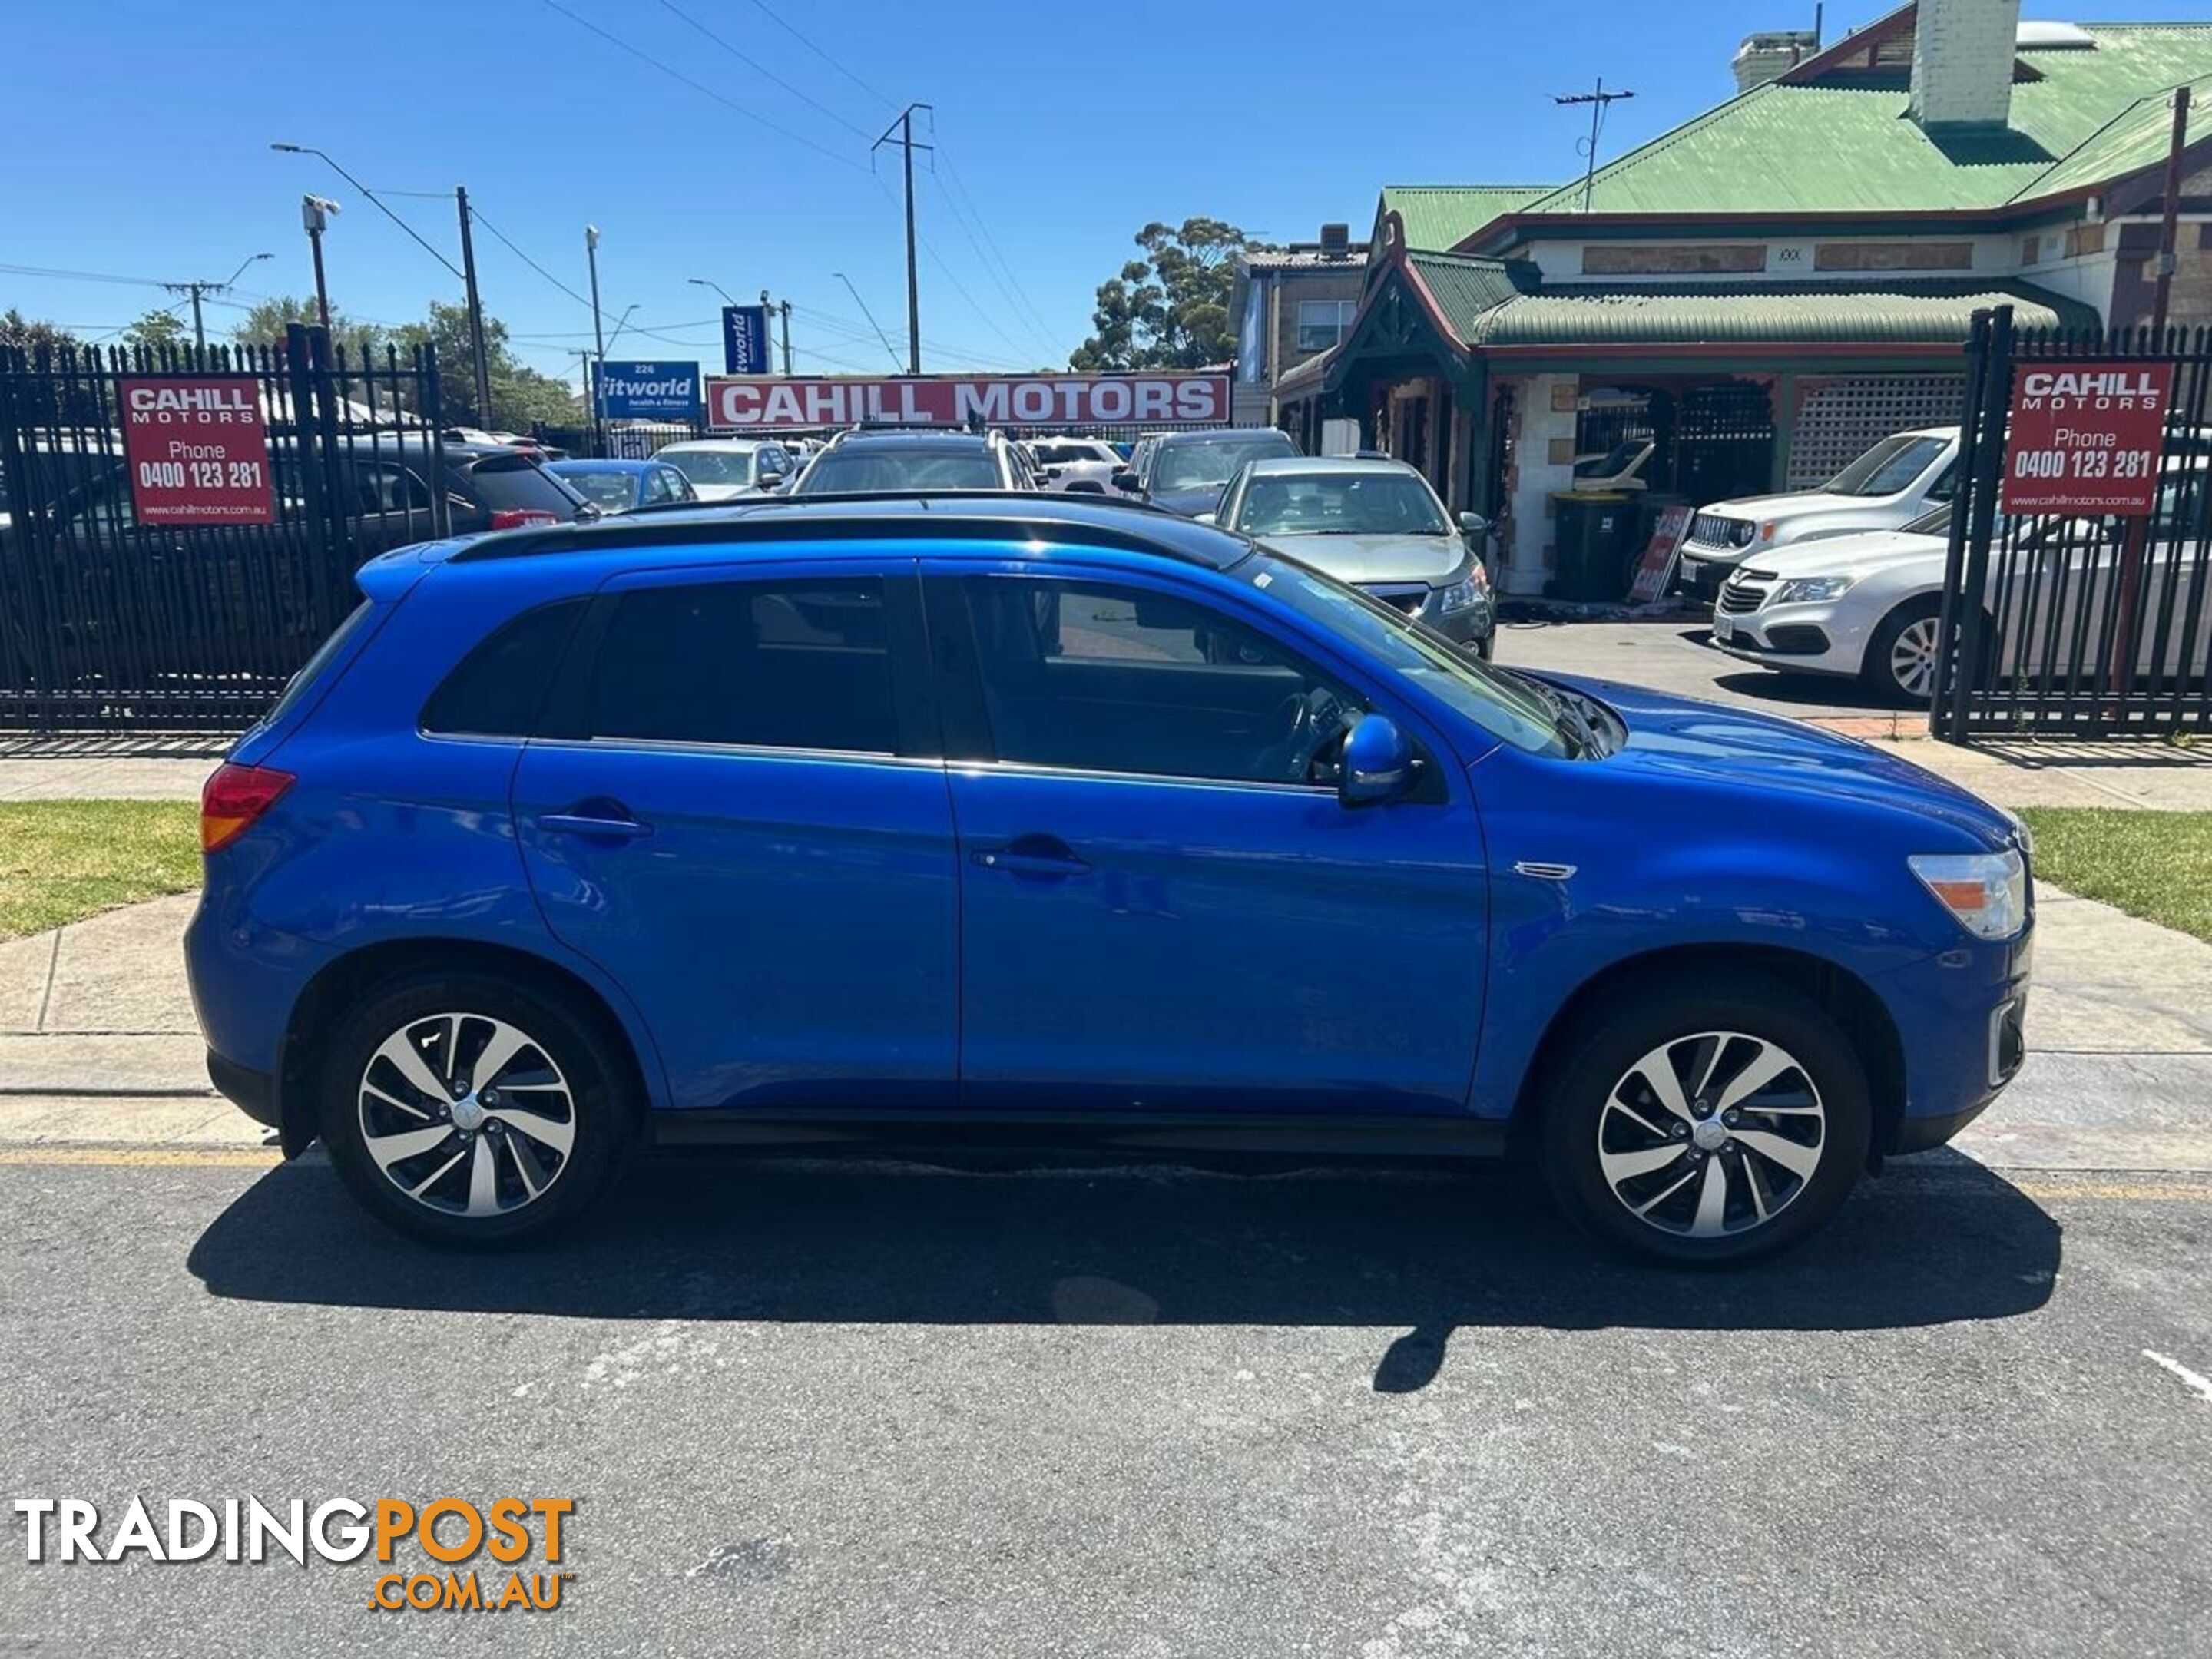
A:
{"x": 1847, "y": 580}
{"x": 1374, "y": 524}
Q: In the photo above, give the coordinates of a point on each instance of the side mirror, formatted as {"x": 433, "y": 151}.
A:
{"x": 1205, "y": 518}
{"x": 1474, "y": 524}
{"x": 1378, "y": 763}
{"x": 771, "y": 480}
{"x": 1124, "y": 479}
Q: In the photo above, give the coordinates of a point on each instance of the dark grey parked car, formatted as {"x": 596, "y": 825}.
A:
{"x": 1186, "y": 471}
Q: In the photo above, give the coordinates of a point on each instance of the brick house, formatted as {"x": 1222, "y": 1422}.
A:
{"x": 1774, "y": 285}
{"x": 1290, "y": 305}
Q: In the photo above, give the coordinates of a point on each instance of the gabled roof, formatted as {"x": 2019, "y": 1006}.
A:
{"x": 2135, "y": 139}
{"x": 1444, "y": 216}
{"x": 1844, "y": 145}
{"x": 1465, "y": 288}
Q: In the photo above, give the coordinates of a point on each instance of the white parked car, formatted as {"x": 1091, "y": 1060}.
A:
{"x": 1867, "y": 606}
{"x": 1894, "y": 483}
{"x": 1079, "y": 466}
{"x": 722, "y": 469}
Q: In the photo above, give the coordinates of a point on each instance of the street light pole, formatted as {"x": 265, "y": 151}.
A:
{"x": 869, "y": 314}
{"x": 314, "y": 214}
{"x": 700, "y": 282}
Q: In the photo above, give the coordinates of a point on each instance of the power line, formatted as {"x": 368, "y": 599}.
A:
{"x": 502, "y": 237}
{"x": 958, "y": 287}
{"x": 792, "y": 30}
{"x": 701, "y": 88}
{"x": 762, "y": 69}
{"x": 953, "y": 177}
{"x": 1013, "y": 305}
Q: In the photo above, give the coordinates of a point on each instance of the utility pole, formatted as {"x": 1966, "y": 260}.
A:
{"x": 315, "y": 214}
{"x": 905, "y": 142}
{"x": 196, "y": 290}
{"x": 784, "y": 312}
{"x": 476, "y": 310}
{"x": 1598, "y": 102}
{"x": 598, "y": 322}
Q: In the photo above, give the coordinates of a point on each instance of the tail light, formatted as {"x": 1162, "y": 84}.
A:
{"x": 514, "y": 518}
{"x": 233, "y": 798}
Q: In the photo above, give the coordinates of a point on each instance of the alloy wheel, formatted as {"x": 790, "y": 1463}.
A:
{"x": 1711, "y": 1135}
{"x": 466, "y": 1114}
{"x": 1912, "y": 659}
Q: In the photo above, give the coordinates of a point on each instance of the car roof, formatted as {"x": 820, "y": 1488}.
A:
{"x": 1026, "y": 521}
{"x": 945, "y": 441}
{"x": 1277, "y": 466}
{"x": 727, "y": 446}
{"x": 603, "y": 463}
{"x": 1220, "y": 435}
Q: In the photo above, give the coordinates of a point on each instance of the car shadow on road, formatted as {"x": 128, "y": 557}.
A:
{"x": 1935, "y": 1241}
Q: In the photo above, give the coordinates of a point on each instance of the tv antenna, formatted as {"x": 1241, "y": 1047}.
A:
{"x": 1599, "y": 101}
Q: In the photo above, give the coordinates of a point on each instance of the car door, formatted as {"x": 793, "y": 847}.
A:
{"x": 734, "y": 811}
{"x": 1162, "y": 907}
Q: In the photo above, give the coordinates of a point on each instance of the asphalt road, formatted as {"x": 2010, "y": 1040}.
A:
{"x": 884, "y": 1411}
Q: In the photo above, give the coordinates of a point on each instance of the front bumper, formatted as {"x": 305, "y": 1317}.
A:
{"x": 1961, "y": 1018}
{"x": 1810, "y": 638}
{"x": 1471, "y": 628}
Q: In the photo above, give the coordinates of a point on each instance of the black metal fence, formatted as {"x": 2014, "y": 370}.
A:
{"x": 2083, "y": 626}
{"x": 109, "y": 623}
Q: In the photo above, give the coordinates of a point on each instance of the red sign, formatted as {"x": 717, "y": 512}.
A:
{"x": 749, "y": 402}
{"x": 2085, "y": 437}
{"x": 1657, "y": 564}
{"x": 199, "y": 450}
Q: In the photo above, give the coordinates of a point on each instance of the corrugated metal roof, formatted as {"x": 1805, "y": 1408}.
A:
{"x": 1897, "y": 314}
{"x": 1444, "y": 216}
{"x": 1464, "y": 286}
{"x": 1849, "y": 148}
{"x": 2136, "y": 138}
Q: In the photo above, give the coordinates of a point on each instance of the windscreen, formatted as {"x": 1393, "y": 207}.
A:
{"x": 711, "y": 466}
{"x": 502, "y": 484}
{"x": 1211, "y": 465}
{"x": 609, "y": 490}
{"x": 1887, "y": 468}
{"x": 1340, "y": 504}
{"x": 897, "y": 471}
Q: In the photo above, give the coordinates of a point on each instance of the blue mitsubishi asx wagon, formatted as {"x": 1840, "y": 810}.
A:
{"x": 960, "y": 819}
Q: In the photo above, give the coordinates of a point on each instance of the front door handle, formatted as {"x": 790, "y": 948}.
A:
{"x": 1032, "y": 855}
{"x": 605, "y": 821}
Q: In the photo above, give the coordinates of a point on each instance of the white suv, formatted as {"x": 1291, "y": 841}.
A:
{"x": 1894, "y": 483}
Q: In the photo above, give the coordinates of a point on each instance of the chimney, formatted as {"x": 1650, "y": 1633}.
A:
{"x": 1763, "y": 57}
{"x": 1962, "y": 63}
{"x": 1336, "y": 238}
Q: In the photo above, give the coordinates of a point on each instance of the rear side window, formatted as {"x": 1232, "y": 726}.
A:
{"x": 779, "y": 665}
{"x": 500, "y": 687}
{"x": 298, "y": 686}
{"x": 500, "y": 483}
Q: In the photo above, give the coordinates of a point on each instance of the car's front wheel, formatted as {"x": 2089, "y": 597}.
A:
{"x": 1900, "y": 657}
{"x": 467, "y": 1108}
{"x": 1707, "y": 1124}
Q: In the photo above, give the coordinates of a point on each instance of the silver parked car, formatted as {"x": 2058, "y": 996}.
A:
{"x": 1376, "y": 524}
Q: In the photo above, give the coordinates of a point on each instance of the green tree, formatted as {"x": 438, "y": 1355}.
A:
{"x": 265, "y": 323}
{"x": 156, "y": 328}
{"x": 1170, "y": 308}
{"x": 19, "y": 333}
{"x": 519, "y": 394}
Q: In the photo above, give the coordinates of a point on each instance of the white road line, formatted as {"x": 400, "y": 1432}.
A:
{"x": 2200, "y": 1386}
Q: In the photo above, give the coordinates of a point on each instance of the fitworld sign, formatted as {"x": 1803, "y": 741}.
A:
{"x": 749, "y": 403}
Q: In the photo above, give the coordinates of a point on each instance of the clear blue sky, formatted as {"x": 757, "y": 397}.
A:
{"x": 139, "y": 135}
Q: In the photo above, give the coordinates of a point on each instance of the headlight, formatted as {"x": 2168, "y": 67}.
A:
{"x": 1986, "y": 891}
{"x": 1462, "y": 595}
{"x": 1798, "y": 590}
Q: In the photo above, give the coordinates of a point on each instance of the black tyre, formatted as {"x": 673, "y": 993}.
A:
{"x": 467, "y": 1108}
{"x": 1706, "y": 1123}
{"x": 1900, "y": 659}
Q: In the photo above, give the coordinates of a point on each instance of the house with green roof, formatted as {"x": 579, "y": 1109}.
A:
{"x": 1773, "y": 285}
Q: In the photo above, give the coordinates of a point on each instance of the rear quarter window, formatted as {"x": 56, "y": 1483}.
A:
{"x": 501, "y": 686}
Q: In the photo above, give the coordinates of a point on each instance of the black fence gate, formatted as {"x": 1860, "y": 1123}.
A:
{"x": 109, "y": 623}
{"x": 2080, "y": 626}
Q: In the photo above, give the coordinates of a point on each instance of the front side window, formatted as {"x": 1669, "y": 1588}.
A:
{"x": 796, "y": 664}
{"x": 1094, "y": 678}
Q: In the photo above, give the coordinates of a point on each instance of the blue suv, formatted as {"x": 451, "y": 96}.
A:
{"x": 908, "y": 822}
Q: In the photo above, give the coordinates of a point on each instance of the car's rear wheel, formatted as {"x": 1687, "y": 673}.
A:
{"x": 1710, "y": 1124}
{"x": 471, "y": 1109}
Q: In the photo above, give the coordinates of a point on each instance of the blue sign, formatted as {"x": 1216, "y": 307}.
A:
{"x": 744, "y": 339}
{"x": 649, "y": 392}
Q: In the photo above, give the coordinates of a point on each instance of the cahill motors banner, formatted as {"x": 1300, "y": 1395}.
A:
{"x": 954, "y": 401}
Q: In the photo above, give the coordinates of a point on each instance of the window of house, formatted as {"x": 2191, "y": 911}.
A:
{"x": 1322, "y": 323}
{"x": 781, "y": 665}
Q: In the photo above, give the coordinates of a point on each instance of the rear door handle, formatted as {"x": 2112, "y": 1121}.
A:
{"x": 586, "y": 823}
{"x": 1032, "y": 855}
